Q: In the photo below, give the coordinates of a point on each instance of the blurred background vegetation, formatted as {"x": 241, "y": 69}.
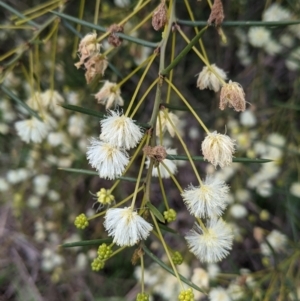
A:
{"x": 40, "y": 200}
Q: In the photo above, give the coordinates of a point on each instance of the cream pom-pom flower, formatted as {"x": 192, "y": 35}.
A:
{"x": 275, "y": 12}
{"x": 109, "y": 95}
{"x": 34, "y": 130}
{"x": 120, "y": 131}
{"x": 218, "y": 294}
{"x": 259, "y": 36}
{"x": 208, "y": 199}
{"x": 277, "y": 240}
{"x": 109, "y": 161}
{"x": 295, "y": 189}
{"x": 163, "y": 124}
{"x": 208, "y": 79}
{"x": 126, "y": 226}
{"x": 218, "y": 149}
{"x": 211, "y": 244}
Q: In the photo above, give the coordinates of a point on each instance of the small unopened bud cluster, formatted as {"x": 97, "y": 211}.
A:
{"x": 104, "y": 251}
{"x": 81, "y": 221}
{"x": 142, "y": 297}
{"x": 186, "y": 295}
{"x": 177, "y": 258}
{"x": 105, "y": 197}
{"x": 97, "y": 264}
{"x": 170, "y": 215}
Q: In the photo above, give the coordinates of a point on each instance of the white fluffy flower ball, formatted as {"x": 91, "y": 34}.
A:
{"x": 247, "y": 118}
{"x": 218, "y": 149}
{"x": 238, "y": 211}
{"x": 120, "y": 131}
{"x": 108, "y": 160}
{"x": 208, "y": 199}
{"x": 211, "y": 244}
{"x": 126, "y": 226}
{"x": 275, "y": 12}
{"x": 32, "y": 130}
{"x": 259, "y": 36}
{"x": 208, "y": 79}
{"x": 219, "y": 294}
{"x": 295, "y": 189}
{"x": 277, "y": 240}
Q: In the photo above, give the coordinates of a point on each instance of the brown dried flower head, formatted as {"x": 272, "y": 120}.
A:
{"x": 95, "y": 65}
{"x": 160, "y": 16}
{"x": 88, "y": 46}
{"x": 113, "y": 38}
{"x": 88, "y": 43}
{"x": 217, "y": 14}
{"x": 158, "y": 152}
{"x": 233, "y": 95}
{"x": 137, "y": 254}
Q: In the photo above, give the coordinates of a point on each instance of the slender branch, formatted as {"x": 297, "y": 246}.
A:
{"x": 189, "y": 106}
{"x": 166, "y": 250}
{"x": 38, "y": 14}
{"x": 20, "y": 102}
{"x": 240, "y": 23}
{"x": 37, "y": 33}
{"x": 78, "y": 28}
{"x": 17, "y": 13}
{"x": 157, "y": 100}
{"x": 103, "y": 29}
{"x": 196, "y": 29}
{"x": 201, "y": 159}
{"x": 151, "y": 59}
{"x": 184, "y": 52}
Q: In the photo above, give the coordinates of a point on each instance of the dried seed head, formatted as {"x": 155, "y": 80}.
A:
{"x": 158, "y": 152}
{"x": 233, "y": 95}
{"x": 113, "y": 38}
{"x": 160, "y": 16}
{"x": 217, "y": 14}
